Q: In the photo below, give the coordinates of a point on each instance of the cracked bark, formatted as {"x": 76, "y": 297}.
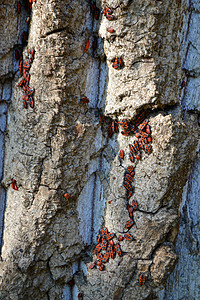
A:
{"x": 60, "y": 147}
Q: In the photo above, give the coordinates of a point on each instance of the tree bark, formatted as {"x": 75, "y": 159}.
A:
{"x": 59, "y": 146}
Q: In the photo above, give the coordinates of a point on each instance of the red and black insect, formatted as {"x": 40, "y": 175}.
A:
{"x": 101, "y": 118}
{"x": 110, "y": 236}
{"x": 128, "y": 186}
{"x": 100, "y": 256}
{"x": 147, "y": 148}
{"x": 140, "y": 142}
{"x": 110, "y": 17}
{"x": 87, "y": 45}
{"x": 14, "y": 185}
{"x": 114, "y": 126}
{"x": 21, "y": 83}
{"x": 21, "y": 67}
{"x": 19, "y": 7}
{"x": 31, "y": 102}
{"x": 131, "y": 157}
{"x": 26, "y": 76}
{"x": 130, "y": 210}
{"x": 31, "y": 52}
{"x": 25, "y": 105}
{"x": 24, "y": 37}
{"x": 98, "y": 238}
{"x": 104, "y": 232}
{"x": 134, "y": 205}
{"x": 128, "y": 178}
{"x": 26, "y": 66}
{"x": 137, "y": 134}
{"x": 111, "y": 242}
{"x": 128, "y": 237}
{"x": 104, "y": 244}
{"x": 84, "y": 100}
{"x": 148, "y": 129}
{"x": 149, "y": 139}
{"x": 120, "y": 238}
{"x": 80, "y": 295}
{"x": 110, "y": 30}
{"x": 101, "y": 268}
{"x": 144, "y": 140}
{"x": 106, "y": 257}
{"x": 121, "y": 154}
{"x": 130, "y": 170}
{"x": 138, "y": 156}
{"x": 136, "y": 146}
{"x": 67, "y": 196}
{"x": 143, "y": 124}
{"x": 97, "y": 249}
{"x": 71, "y": 282}
{"x": 99, "y": 263}
{"x": 141, "y": 279}
{"x": 129, "y": 224}
{"x": 129, "y": 194}
{"x": 117, "y": 63}
{"x": 132, "y": 148}
{"x": 24, "y": 97}
{"x": 109, "y": 130}
{"x": 110, "y": 251}
{"x": 125, "y": 132}
{"x": 118, "y": 249}
{"x": 141, "y": 117}
{"x": 124, "y": 124}
{"x": 91, "y": 266}
{"x": 183, "y": 84}
{"x": 107, "y": 10}
{"x": 144, "y": 134}
{"x": 29, "y": 91}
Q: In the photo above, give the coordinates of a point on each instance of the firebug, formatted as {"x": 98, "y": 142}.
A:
{"x": 141, "y": 279}
{"x": 110, "y": 30}
{"x": 121, "y": 154}
{"x": 129, "y": 224}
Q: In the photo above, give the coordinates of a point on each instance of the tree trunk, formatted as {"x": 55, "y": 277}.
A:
{"x": 62, "y": 179}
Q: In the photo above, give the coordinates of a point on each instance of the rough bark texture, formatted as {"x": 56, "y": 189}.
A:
{"x": 60, "y": 146}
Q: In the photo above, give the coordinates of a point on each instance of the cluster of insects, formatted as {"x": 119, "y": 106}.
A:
{"x": 25, "y": 67}
{"x": 108, "y": 13}
{"x": 108, "y": 244}
{"x": 24, "y": 83}
{"x": 106, "y": 247}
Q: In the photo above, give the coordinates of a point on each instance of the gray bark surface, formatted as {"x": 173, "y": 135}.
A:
{"x": 47, "y": 242}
